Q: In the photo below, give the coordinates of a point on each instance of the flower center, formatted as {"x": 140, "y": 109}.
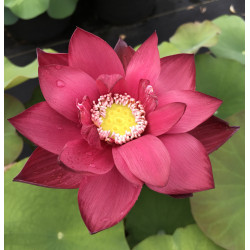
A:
{"x": 119, "y": 118}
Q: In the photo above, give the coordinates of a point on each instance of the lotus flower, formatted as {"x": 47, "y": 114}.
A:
{"x": 114, "y": 120}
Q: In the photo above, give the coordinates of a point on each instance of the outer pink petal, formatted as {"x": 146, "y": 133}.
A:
{"x": 45, "y": 58}
{"x": 145, "y": 64}
{"x": 93, "y": 55}
{"x": 199, "y": 108}
{"x": 79, "y": 156}
{"x": 163, "y": 119}
{"x": 177, "y": 73}
{"x": 42, "y": 169}
{"x": 123, "y": 168}
{"x": 191, "y": 169}
{"x": 104, "y": 200}
{"x": 62, "y": 86}
{"x": 45, "y": 127}
{"x": 124, "y": 52}
{"x": 105, "y": 83}
{"x": 213, "y": 133}
{"x": 148, "y": 159}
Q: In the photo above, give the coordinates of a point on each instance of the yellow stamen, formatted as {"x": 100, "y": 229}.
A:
{"x": 118, "y": 119}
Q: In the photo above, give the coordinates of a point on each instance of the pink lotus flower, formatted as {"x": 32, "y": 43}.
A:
{"x": 114, "y": 120}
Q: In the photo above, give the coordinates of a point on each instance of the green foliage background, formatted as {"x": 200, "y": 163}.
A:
{"x": 28, "y": 9}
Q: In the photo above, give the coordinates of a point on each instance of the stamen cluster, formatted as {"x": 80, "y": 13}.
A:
{"x": 99, "y": 113}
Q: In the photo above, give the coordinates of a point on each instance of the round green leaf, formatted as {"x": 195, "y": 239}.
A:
{"x": 154, "y": 213}
{"x": 156, "y": 242}
{"x": 220, "y": 212}
{"x": 167, "y": 49}
{"x": 61, "y": 8}
{"x": 190, "y": 37}
{"x": 11, "y": 3}
{"x": 231, "y": 42}
{"x": 13, "y": 143}
{"x": 27, "y": 9}
{"x": 188, "y": 238}
{"x": 44, "y": 219}
{"x": 15, "y": 75}
{"x": 9, "y": 17}
{"x": 224, "y": 79}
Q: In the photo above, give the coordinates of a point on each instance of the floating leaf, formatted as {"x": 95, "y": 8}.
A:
{"x": 231, "y": 42}
{"x": 43, "y": 218}
{"x": 27, "y": 9}
{"x": 220, "y": 212}
{"x": 11, "y": 3}
{"x": 223, "y": 79}
{"x": 154, "y": 213}
{"x": 190, "y": 37}
{"x": 188, "y": 238}
{"x": 14, "y": 75}
{"x": 13, "y": 143}
{"x": 61, "y": 8}
{"x": 9, "y": 17}
{"x": 167, "y": 49}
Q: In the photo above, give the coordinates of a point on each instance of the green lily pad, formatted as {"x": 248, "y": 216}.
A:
{"x": 154, "y": 213}
{"x": 13, "y": 143}
{"x": 224, "y": 79}
{"x": 188, "y": 238}
{"x": 220, "y": 213}
{"x": 167, "y": 49}
{"x": 9, "y": 17}
{"x": 44, "y": 219}
{"x": 231, "y": 42}
{"x": 190, "y": 37}
{"x": 27, "y": 9}
{"x": 61, "y": 8}
{"x": 15, "y": 75}
{"x": 11, "y": 3}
